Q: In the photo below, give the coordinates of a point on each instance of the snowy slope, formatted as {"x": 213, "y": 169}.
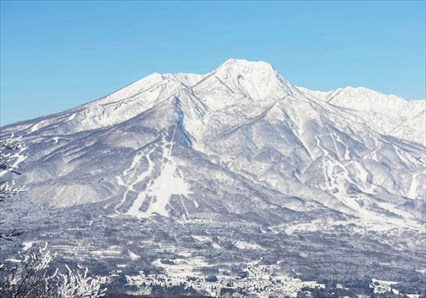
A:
{"x": 387, "y": 114}
{"x": 238, "y": 141}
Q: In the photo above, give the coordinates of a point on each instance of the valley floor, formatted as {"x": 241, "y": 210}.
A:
{"x": 165, "y": 256}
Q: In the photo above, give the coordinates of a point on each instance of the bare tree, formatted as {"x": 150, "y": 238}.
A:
{"x": 10, "y": 158}
{"x": 27, "y": 278}
{"x": 30, "y": 277}
{"x": 78, "y": 284}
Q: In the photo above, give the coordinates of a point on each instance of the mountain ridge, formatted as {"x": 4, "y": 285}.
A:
{"x": 157, "y": 80}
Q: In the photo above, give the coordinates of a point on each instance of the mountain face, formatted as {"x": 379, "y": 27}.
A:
{"x": 237, "y": 145}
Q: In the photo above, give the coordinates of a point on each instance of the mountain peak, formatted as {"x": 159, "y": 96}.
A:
{"x": 362, "y": 91}
{"x": 242, "y": 65}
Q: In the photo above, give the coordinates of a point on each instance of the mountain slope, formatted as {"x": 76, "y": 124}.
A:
{"x": 387, "y": 114}
{"x": 322, "y": 148}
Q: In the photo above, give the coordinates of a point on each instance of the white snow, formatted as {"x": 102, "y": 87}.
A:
{"x": 388, "y": 114}
{"x": 187, "y": 272}
{"x": 134, "y": 209}
{"x": 162, "y": 188}
{"x": 167, "y": 184}
{"x": 12, "y": 260}
{"x": 244, "y": 245}
{"x": 383, "y": 286}
{"x": 27, "y": 245}
{"x": 133, "y": 256}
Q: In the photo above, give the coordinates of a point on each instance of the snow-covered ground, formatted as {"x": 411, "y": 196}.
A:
{"x": 258, "y": 280}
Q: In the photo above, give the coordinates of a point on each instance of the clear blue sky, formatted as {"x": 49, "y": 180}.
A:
{"x": 56, "y": 55}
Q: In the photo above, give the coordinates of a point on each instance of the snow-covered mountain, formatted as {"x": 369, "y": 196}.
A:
{"x": 349, "y": 150}
{"x": 387, "y": 114}
{"x": 240, "y": 142}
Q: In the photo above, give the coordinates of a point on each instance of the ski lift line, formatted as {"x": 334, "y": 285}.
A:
{"x": 172, "y": 141}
